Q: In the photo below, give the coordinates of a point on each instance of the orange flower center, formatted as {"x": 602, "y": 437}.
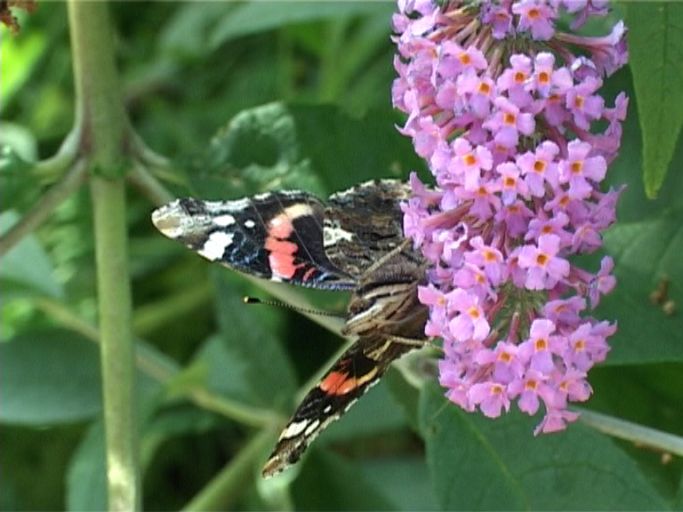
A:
{"x": 520, "y": 77}
{"x": 496, "y": 389}
{"x": 576, "y": 167}
{"x": 509, "y": 118}
{"x": 505, "y": 357}
{"x": 484, "y": 88}
{"x": 542, "y": 259}
{"x": 544, "y": 77}
{"x": 541, "y": 344}
{"x": 473, "y": 312}
{"x": 470, "y": 159}
{"x": 539, "y": 166}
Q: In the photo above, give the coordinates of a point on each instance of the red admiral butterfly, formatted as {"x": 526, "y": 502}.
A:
{"x": 353, "y": 242}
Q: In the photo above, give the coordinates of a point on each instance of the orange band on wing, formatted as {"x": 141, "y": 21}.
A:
{"x": 338, "y": 383}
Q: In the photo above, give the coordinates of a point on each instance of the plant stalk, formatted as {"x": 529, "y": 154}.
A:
{"x": 104, "y": 131}
{"x": 116, "y": 343}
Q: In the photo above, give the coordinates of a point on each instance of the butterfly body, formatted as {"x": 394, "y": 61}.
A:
{"x": 354, "y": 242}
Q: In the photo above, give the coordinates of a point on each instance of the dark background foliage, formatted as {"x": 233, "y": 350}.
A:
{"x": 251, "y": 97}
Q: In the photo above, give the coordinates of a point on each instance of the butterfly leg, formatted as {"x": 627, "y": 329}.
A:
{"x": 414, "y": 342}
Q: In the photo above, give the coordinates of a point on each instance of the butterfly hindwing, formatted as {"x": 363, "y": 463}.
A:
{"x": 358, "y": 369}
{"x": 277, "y": 236}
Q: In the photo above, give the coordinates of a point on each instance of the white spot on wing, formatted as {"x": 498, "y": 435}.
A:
{"x": 249, "y": 223}
{"x": 312, "y": 428}
{"x": 218, "y": 207}
{"x": 332, "y": 235}
{"x": 215, "y": 245}
{"x": 224, "y": 220}
{"x": 294, "y": 429}
{"x": 298, "y": 210}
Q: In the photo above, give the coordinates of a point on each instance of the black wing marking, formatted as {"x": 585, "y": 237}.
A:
{"x": 276, "y": 236}
{"x": 364, "y": 223}
{"x": 358, "y": 369}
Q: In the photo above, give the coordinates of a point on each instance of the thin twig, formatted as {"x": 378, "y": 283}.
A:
{"x": 55, "y": 166}
{"x": 42, "y": 210}
{"x": 163, "y": 369}
{"x": 149, "y": 186}
{"x": 638, "y": 434}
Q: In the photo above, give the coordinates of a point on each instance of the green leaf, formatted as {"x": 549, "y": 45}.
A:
{"x": 255, "y": 347}
{"x": 656, "y": 53}
{"x": 645, "y": 252}
{"x": 26, "y": 267}
{"x": 482, "y": 464}
{"x": 86, "y": 480}
{"x": 346, "y": 150}
{"x": 173, "y": 423}
{"x": 19, "y": 56}
{"x": 257, "y": 150}
{"x": 316, "y": 148}
{"x": 49, "y": 377}
{"x": 405, "y": 481}
{"x": 255, "y": 17}
{"x": 219, "y": 368}
{"x": 404, "y": 392}
{"x": 186, "y": 34}
{"x": 374, "y": 414}
{"x": 329, "y": 482}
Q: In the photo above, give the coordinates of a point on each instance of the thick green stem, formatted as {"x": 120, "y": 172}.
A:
{"x": 101, "y": 119}
{"x": 117, "y": 354}
{"x": 104, "y": 132}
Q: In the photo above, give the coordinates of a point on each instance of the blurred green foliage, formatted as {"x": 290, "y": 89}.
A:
{"x": 245, "y": 98}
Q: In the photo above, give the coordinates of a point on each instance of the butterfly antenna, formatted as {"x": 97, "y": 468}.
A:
{"x": 255, "y": 300}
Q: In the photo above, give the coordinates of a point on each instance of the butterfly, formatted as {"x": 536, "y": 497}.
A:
{"x": 354, "y": 241}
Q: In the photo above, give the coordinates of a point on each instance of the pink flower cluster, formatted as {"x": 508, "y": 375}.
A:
{"x": 505, "y": 110}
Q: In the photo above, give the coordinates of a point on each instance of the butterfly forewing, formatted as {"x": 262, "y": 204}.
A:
{"x": 277, "y": 236}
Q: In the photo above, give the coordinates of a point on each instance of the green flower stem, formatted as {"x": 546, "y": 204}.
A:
{"x": 628, "y": 431}
{"x": 222, "y": 492}
{"x": 42, "y": 210}
{"x": 104, "y": 130}
{"x": 163, "y": 369}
